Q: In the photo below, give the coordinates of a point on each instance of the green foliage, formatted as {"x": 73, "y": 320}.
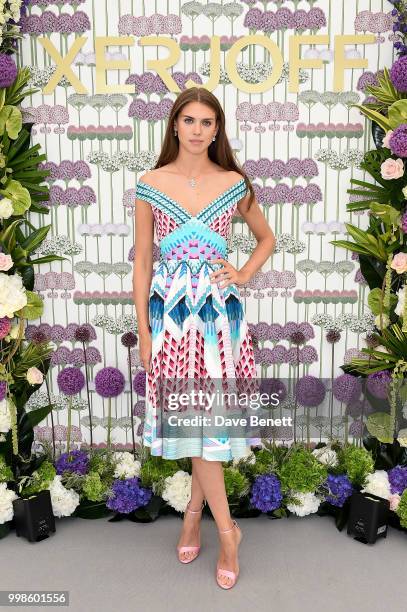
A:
{"x": 93, "y": 487}
{"x": 402, "y": 509}
{"x": 39, "y": 480}
{"x": 236, "y": 484}
{"x": 301, "y": 471}
{"x": 356, "y": 462}
{"x": 155, "y": 470}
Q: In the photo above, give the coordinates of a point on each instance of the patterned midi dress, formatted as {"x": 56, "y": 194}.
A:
{"x": 199, "y": 330}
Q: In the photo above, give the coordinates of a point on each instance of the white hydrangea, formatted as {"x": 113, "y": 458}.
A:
{"x": 7, "y": 496}
{"x": 64, "y": 501}
{"x": 326, "y": 455}
{"x": 248, "y": 457}
{"x": 378, "y": 484}
{"x": 5, "y": 416}
{"x": 401, "y": 293}
{"x": 127, "y": 466}
{"x": 308, "y": 503}
{"x": 12, "y": 294}
{"x": 177, "y": 490}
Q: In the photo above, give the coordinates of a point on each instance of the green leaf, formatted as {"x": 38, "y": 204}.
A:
{"x": 374, "y": 116}
{"x": 379, "y": 425}
{"x": 45, "y": 259}
{"x": 19, "y": 195}
{"x": 34, "y": 307}
{"x": 10, "y": 121}
{"x": 397, "y": 113}
{"x": 35, "y": 239}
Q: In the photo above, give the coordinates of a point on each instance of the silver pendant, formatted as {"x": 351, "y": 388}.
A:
{"x": 192, "y": 182}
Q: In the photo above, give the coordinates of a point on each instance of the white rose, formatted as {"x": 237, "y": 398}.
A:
{"x": 6, "y": 208}
{"x": 34, "y": 376}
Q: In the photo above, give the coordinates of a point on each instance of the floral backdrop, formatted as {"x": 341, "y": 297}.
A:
{"x": 307, "y": 307}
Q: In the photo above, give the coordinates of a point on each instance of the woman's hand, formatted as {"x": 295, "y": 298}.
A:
{"x": 228, "y": 274}
{"x": 145, "y": 349}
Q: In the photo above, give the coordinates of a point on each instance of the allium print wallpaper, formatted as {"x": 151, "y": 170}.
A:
{"x": 300, "y": 149}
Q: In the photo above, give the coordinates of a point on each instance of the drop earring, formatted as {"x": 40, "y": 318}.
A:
{"x": 213, "y": 139}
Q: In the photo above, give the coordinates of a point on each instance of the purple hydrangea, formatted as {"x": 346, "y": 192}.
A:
{"x": 398, "y": 74}
{"x": 75, "y": 461}
{"x": 8, "y": 70}
{"x": 398, "y": 140}
{"x": 398, "y": 479}
{"x": 378, "y": 383}
{"x": 109, "y": 382}
{"x": 71, "y": 381}
{"x": 340, "y": 487}
{"x": 310, "y": 391}
{"x": 3, "y": 390}
{"x": 404, "y": 222}
{"x": 266, "y": 493}
{"x": 128, "y": 495}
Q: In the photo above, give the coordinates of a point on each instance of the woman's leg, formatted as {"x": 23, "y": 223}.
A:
{"x": 190, "y": 528}
{"x": 212, "y": 483}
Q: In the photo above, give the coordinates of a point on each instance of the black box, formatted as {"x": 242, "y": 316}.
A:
{"x": 368, "y": 517}
{"x": 33, "y": 516}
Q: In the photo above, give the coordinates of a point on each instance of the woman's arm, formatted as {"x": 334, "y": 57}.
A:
{"x": 263, "y": 233}
{"x": 143, "y": 262}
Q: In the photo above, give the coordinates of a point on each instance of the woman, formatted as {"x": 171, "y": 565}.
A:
{"x": 190, "y": 319}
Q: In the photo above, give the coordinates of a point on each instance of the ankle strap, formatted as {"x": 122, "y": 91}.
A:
{"x": 231, "y": 529}
{"x": 196, "y": 511}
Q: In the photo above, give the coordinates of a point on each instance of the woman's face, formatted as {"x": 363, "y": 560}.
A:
{"x": 196, "y": 126}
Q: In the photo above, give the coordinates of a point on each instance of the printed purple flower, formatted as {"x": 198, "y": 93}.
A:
{"x": 398, "y": 479}
{"x": 339, "y": 489}
{"x": 8, "y": 70}
{"x": 266, "y": 493}
{"x": 310, "y": 391}
{"x": 127, "y": 495}
{"x": 398, "y": 140}
{"x": 347, "y": 388}
{"x": 76, "y": 462}
{"x": 139, "y": 382}
{"x": 70, "y": 380}
{"x": 109, "y": 382}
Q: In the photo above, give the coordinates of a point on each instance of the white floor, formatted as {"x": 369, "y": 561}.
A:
{"x": 289, "y": 565}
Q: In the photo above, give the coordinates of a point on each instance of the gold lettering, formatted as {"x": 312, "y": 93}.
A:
{"x": 63, "y": 65}
{"x": 102, "y": 64}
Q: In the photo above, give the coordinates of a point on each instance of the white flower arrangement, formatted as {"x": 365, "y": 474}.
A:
{"x": 64, "y": 501}
{"x": 326, "y": 456}
{"x": 5, "y": 416}
{"x": 127, "y": 466}
{"x": 12, "y": 294}
{"x": 177, "y": 490}
{"x": 378, "y": 484}
{"x": 7, "y": 496}
{"x": 308, "y": 503}
{"x": 400, "y": 304}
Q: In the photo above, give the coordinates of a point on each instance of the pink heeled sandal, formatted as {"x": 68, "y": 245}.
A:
{"x": 220, "y": 573}
{"x": 194, "y": 549}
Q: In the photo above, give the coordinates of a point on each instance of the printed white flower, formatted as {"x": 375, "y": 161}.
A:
{"x": 64, "y": 501}
{"x": 128, "y": 467}
{"x": 5, "y": 415}
{"x": 326, "y": 455}
{"x": 378, "y": 484}
{"x": 7, "y": 496}
{"x": 308, "y": 504}
{"x": 6, "y": 208}
{"x": 34, "y": 376}
{"x": 12, "y": 294}
{"x": 177, "y": 490}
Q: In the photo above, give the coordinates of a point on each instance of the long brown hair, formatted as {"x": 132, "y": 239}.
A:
{"x": 219, "y": 151}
